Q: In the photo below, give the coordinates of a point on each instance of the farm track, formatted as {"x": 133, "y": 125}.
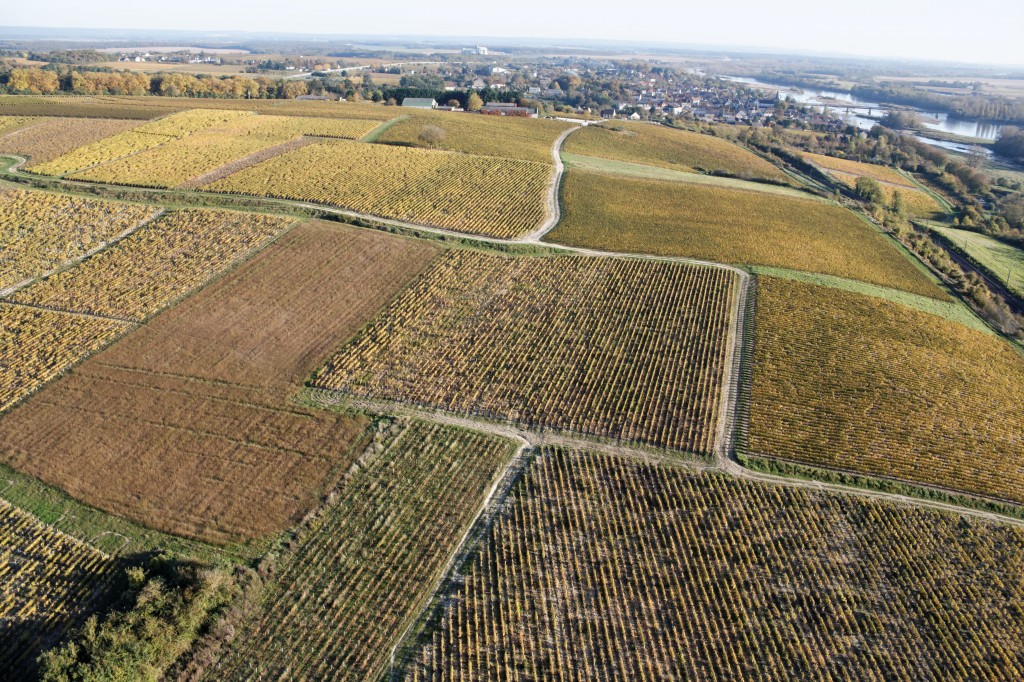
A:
{"x": 725, "y": 459}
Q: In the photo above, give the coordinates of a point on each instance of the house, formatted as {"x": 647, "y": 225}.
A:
{"x": 420, "y": 102}
{"x": 634, "y": 116}
{"x": 607, "y": 113}
{"x": 507, "y": 109}
{"x": 478, "y": 84}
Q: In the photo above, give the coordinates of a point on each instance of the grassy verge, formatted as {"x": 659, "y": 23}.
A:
{"x": 808, "y": 473}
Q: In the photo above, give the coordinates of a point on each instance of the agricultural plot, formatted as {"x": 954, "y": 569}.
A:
{"x": 606, "y": 569}
{"x": 367, "y": 565}
{"x": 41, "y": 231}
{"x": 528, "y": 139}
{"x": 155, "y": 265}
{"x": 12, "y": 123}
{"x": 477, "y": 194}
{"x": 192, "y": 409}
{"x": 84, "y": 107}
{"x": 49, "y": 583}
{"x": 623, "y": 349}
{"x": 177, "y": 161}
{"x": 852, "y": 382}
{"x": 37, "y": 345}
{"x": 1004, "y": 261}
{"x": 55, "y": 137}
{"x": 655, "y": 145}
{"x": 858, "y": 169}
{"x": 725, "y": 225}
{"x": 915, "y": 202}
{"x": 146, "y": 136}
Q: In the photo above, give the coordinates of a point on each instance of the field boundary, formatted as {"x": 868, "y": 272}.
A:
{"x": 553, "y": 199}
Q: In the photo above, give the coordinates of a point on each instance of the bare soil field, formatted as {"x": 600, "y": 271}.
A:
{"x": 186, "y": 428}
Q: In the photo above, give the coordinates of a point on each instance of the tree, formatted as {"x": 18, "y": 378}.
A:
{"x": 474, "y": 103}
{"x": 454, "y": 103}
{"x": 897, "y": 203}
{"x": 432, "y": 136}
{"x": 869, "y": 190}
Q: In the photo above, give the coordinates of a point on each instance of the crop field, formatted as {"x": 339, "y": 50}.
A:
{"x": 477, "y": 194}
{"x": 367, "y": 565}
{"x": 606, "y": 569}
{"x": 146, "y": 136}
{"x": 154, "y": 265}
{"x": 177, "y": 161}
{"x": 667, "y": 218}
{"x": 656, "y": 145}
{"x": 858, "y": 169}
{"x": 37, "y": 345}
{"x": 49, "y": 583}
{"x": 623, "y": 349}
{"x": 528, "y": 139}
{"x": 192, "y": 409}
{"x": 11, "y": 123}
{"x": 55, "y": 137}
{"x": 83, "y": 107}
{"x": 1004, "y": 261}
{"x": 41, "y": 231}
{"x": 915, "y": 202}
{"x": 852, "y": 382}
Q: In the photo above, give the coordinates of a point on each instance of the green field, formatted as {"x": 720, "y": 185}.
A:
{"x": 666, "y": 218}
{"x": 1002, "y": 260}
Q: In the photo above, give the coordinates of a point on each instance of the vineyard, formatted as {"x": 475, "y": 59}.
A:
{"x": 857, "y": 169}
{"x": 367, "y": 564}
{"x": 915, "y": 202}
{"x": 9, "y": 124}
{"x": 527, "y": 139}
{"x": 199, "y": 395}
{"x": 49, "y": 583}
{"x": 478, "y": 194}
{"x": 154, "y": 265}
{"x": 624, "y": 349}
{"x": 41, "y": 231}
{"x": 668, "y": 148}
{"x": 730, "y": 226}
{"x": 55, "y": 137}
{"x": 605, "y": 569}
{"x": 856, "y": 383}
{"x": 145, "y": 136}
{"x": 37, "y": 345}
{"x": 179, "y": 160}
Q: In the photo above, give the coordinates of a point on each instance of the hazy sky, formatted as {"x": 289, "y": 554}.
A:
{"x": 989, "y": 31}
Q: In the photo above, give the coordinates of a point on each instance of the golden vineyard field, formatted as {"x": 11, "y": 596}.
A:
{"x": 624, "y": 349}
{"x": 155, "y": 265}
{"x": 915, "y": 201}
{"x": 48, "y": 584}
{"x": 858, "y": 169}
{"x": 477, "y": 194}
{"x": 179, "y": 160}
{"x": 607, "y": 569}
{"x": 146, "y": 136}
{"x": 41, "y": 231}
{"x": 853, "y": 382}
{"x": 37, "y": 345}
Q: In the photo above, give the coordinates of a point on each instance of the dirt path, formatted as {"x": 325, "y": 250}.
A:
{"x": 552, "y": 204}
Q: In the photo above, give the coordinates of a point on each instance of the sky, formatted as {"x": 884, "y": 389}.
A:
{"x": 978, "y": 31}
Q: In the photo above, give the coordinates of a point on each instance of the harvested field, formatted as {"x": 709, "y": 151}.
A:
{"x": 37, "y": 345}
{"x": 667, "y": 218}
{"x": 367, "y": 565}
{"x": 609, "y": 569}
{"x": 49, "y": 583}
{"x": 856, "y": 383}
{"x": 528, "y": 139}
{"x": 477, "y": 194}
{"x": 193, "y": 413}
{"x": 656, "y": 145}
{"x": 56, "y": 137}
{"x": 156, "y": 264}
{"x": 624, "y": 349}
{"x": 858, "y": 169}
{"x": 42, "y": 231}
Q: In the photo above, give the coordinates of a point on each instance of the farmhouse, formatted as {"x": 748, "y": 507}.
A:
{"x": 419, "y": 102}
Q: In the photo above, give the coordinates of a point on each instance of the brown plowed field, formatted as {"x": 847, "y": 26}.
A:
{"x": 185, "y": 426}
